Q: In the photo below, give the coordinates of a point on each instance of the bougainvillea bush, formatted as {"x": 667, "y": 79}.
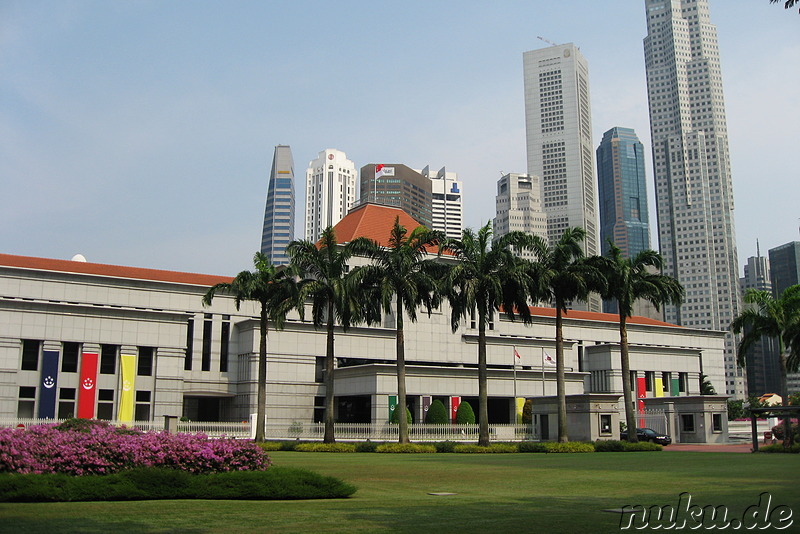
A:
{"x": 100, "y": 448}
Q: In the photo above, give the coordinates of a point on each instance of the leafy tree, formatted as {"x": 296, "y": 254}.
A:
{"x": 275, "y": 290}
{"x": 395, "y": 418}
{"x": 735, "y": 409}
{"x": 402, "y": 273}
{"x": 527, "y": 412}
{"x": 628, "y": 280}
{"x": 777, "y": 318}
{"x": 437, "y": 414}
{"x": 484, "y": 277}
{"x": 561, "y": 275}
{"x": 465, "y": 415}
{"x": 706, "y": 388}
{"x": 335, "y": 298}
{"x": 787, "y": 4}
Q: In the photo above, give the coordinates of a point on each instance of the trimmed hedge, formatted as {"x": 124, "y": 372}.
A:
{"x": 163, "y": 483}
{"x": 492, "y": 448}
{"x": 395, "y": 418}
{"x": 366, "y": 446}
{"x": 325, "y": 447}
{"x": 625, "y": 446}
{"x": 405, "y": 448}
{"x": 556, "y": 447}
{"x": 465, "y": 415}
{"x": 445, "y": 446}
{"x": 437, "y": 414}
{"x": 779, "y": 448}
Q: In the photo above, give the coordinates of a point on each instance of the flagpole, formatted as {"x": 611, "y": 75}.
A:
{"x": 514, "y": 357}
{"x": 543, "y": 372}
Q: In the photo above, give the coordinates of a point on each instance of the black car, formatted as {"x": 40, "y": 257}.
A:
{"x": 647, "y": 434}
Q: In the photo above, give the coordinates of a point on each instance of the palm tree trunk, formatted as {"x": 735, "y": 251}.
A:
{"x": 483, "y": 390}
{"x": 330, "y": 419}
{"x": 261, "y": 409}
{"x": 561, "y": 376}
{"x": 401, "y": 375}
{"x": 627, "y": 388}
{"x": 787, "y": 421}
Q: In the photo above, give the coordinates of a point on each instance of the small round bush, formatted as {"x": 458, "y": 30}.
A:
{"x": 445, "y": 446}
{"x": 465, "y": 415}
{"x": 366, "y": 446}
{"x": 396, "y": 416}
{"x": 437, "y": 414}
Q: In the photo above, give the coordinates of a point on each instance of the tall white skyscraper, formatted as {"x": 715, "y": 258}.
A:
{"x": 447, "y": 214}
{"x": 278, "y": 229}
{"x": 558, "y": 126}
{"x": 694, "y": 192}
{"x": 330, "y": 191}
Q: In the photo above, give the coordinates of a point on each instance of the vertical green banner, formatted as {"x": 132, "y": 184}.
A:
{"x": 392, "y": 405}
{"x": 676, "y": 387}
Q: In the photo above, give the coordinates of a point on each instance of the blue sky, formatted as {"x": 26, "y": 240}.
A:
{"x": 141, "y": 133}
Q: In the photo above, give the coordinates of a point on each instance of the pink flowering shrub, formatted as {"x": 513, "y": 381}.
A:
{"x": 103, "y": 449}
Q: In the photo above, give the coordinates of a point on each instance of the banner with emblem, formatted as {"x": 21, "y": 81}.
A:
{"x": 87, "y": 396}
{"x": 49, "y": 381}
{"x": 128, "y": 381}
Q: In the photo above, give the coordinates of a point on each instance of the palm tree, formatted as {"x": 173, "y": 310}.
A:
{"x": 402, "y": 272}
{"x": 486, "y": 276}
{"x": 334, "y": 293}
{"x": 274, "y": 289}
{"x": 776, "y": 318}
{"x": 629, "y": 280}
{"x": 561, "y": 275}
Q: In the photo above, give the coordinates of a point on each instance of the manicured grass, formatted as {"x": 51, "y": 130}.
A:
{"x": 495, "y": 493}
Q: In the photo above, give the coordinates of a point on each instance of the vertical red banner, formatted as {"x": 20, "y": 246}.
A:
{"x": 455, "y": 402}
{"x": 87, "y": 395}
{"x": 641, "y": 393}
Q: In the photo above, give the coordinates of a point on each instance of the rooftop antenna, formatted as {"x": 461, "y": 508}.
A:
{"x": 546, "y": 40}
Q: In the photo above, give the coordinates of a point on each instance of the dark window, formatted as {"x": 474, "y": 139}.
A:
{"x": 649, "y": 378}
{"x": 27, "y": 401}
{"x": 66, "y": 403}
{"x": 319, "y": 369}
{"x": 206, "y": 357}
{"x": 580, "y": 358}
{"x": 683, "y": 379}
{"x": 145, "y": 362}
{"x": 187, "y": 362}
{"x": 69, "y": 358}
{"x": 105, "y": 404}
{"x": 142, "y": 396}
{"x": 605, "y": 424}
{"x": 687, "y": 422}
{"x": 665, "y": 378}
{"x": 319, "y": 409}
{"x": 108, "y": 359}
{"x": 142, "y": 409}
{"x": 716, "y": 422}
{"x": 30, "y": 354}
{"x": 225, "y": 339}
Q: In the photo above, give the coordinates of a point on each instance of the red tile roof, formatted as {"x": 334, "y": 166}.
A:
{"x": 374, "y": 222}
{"x": 595, "y": 316}
{"x": 113, "y": 271}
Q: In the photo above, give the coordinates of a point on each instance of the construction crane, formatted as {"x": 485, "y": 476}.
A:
{"x": 551, "y": 43}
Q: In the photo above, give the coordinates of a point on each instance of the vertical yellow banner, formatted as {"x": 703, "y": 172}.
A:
{"x": 520, "y": 405}
{"x": 659, "y": 387}
{"x": 126, "y": 394}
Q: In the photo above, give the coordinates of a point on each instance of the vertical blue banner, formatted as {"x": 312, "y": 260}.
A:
{"x": 49, "y": 381}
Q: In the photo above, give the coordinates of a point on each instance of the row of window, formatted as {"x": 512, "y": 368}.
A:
{"x": 205, "y": 355}
{"x": 70, "y": 354}
{"x": 26, "y": 404}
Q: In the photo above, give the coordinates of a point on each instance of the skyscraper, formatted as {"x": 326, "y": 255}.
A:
{"x": 558, "y": 127}
{"x": 447, "y": 213}
{"x": 624, "y": 217}
{"x": 518, "y": 206}
{"x": 694, "y": 191}
{"x": 784, "y": 262}
{"x": 278, "y": 228}
{"x": 763, "y": 367}
{"x": 330, "y": 191}
{"x": 395, "y": 184}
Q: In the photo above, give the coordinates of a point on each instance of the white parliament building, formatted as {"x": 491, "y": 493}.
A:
{"x": 116, "y": 342}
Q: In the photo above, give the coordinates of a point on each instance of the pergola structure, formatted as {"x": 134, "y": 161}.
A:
{"x": 782, "y": 412}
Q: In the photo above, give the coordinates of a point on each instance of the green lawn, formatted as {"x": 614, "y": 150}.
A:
{"x": 494, "y": 493}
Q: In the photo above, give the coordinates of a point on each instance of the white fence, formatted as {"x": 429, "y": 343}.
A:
{"x": 316, "y": 431}
{"x": 655, "y": 419}
{"x": 211, "y": 429}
